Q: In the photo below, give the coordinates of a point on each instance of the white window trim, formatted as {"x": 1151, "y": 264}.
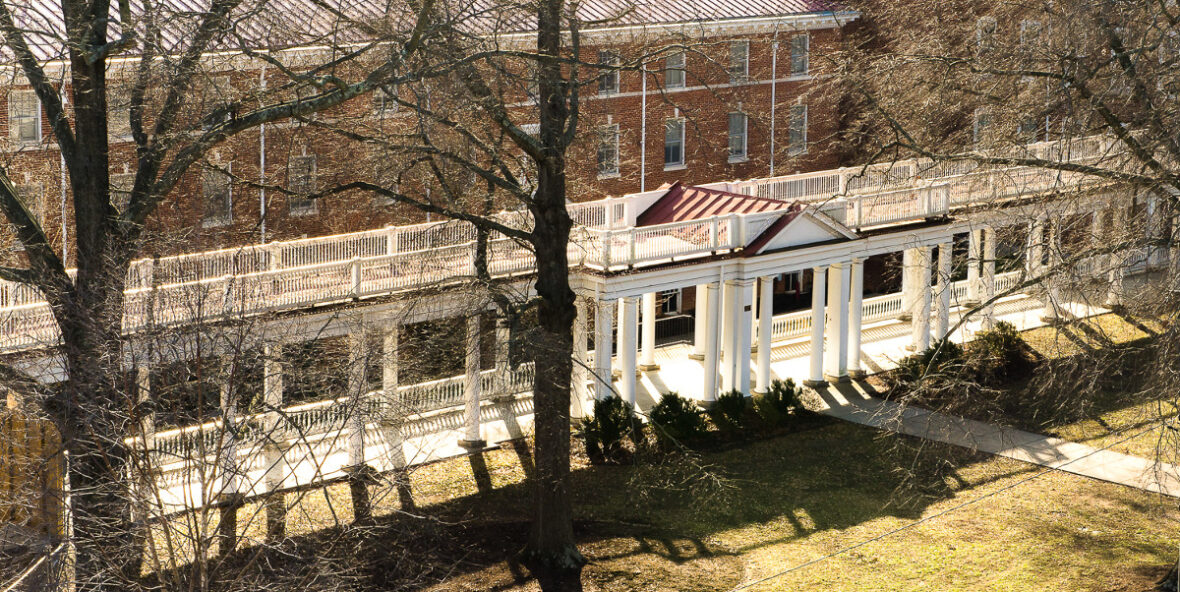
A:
{"x": 976, "y": 128}
{"x": 384, "y": 104}
{"x": 206, "y": 221}
{"x": 793, "y": 150}
{"x": 683, "y": 69}
{"x": 982, "y": 23}
{"x": 1026, "y": 26}
{"x": 806, "y": 56}
{"x": 614, "y": 60}
{"x": 13, "y": 132}
{"x": 745, "y": 155}
{"x": 744, "y": 77}
{"x": 610, "y": 128}
{"x": 676, "y": 166}
{"x": 314, "y": 206}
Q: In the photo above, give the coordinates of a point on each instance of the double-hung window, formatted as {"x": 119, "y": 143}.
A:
{"x": 608, "y": 76}
{"x": 384, "y": 100}
{"x": 800, "y": 55}
{"x": 301, "y": 183}
{"x": 24, "y": 117}
{"x": 674, "y": 142}
{"x": 608, "y": 151}
{"x": 674, "y": 70}
{"x": 217, "y": 188}
{"x": 739, "y": 62}
{"x": 985, "y": 35}
{"x": 737, "y": 136}
{"x": 797, "y": 130}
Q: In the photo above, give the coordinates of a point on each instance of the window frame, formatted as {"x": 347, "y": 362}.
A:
{"x": 806, "y": 70}
{"x": 986, "y": 28}
{"x": 384, "y": 100}
{"x": 681, "y": 70}
{"x": 744, "y": 76}
{"x": 297, "y": 205}
{"x": 744, "y": 155}
{"x": 981, "y": 120}
{"x": 207, "y": 178}
{"x": 670, "y": 301}
{"x": 669, "y": 124}
{"x": 121, "y": 203}
{"x": 797, "y": 147}
{"x": 608, "y": 58}
{"x": 1028, "y": 26}
{"x": 608, "y": 134}
{"x": 14, "y": 129}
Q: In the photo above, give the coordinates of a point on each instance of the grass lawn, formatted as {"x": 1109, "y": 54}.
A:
{"x": 800, "y": 497}
{"x": 832, "y": 494}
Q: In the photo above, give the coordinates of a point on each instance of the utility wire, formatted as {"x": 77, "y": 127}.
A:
{"x": 1161, "y": 422}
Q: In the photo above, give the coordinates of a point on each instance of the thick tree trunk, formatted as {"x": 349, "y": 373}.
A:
{"x": 91, "y": 414}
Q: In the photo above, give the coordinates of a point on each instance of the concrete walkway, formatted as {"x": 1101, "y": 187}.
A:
{"x": 853, "y": 402}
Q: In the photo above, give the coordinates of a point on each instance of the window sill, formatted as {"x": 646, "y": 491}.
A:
{"x": 303, "y": 212}
{"x": 797, "y": 153}
{"x": 604, "y": 176}
{"x": 215, "y": 223}
{"x": 738, "y": 159}
{"x": 675, "y": 167}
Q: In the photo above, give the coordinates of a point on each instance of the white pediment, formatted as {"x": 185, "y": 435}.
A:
{"x": 807, "y": 228}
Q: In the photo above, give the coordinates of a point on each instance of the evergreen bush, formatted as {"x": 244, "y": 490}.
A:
{"x": 729, "y": 412}
{"x": 613, "y": 423}
{"x": 676, "y": 420}
{"x": 780, "y": 403}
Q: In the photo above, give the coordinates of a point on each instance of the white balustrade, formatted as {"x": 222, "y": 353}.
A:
{"x": 260, "y": 278}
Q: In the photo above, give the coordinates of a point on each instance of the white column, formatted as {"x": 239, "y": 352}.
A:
{"x": 628, "y": 329}
{"x": 471, "y": 385}
{"x": 578, "y": 392}
{"x": 648, "y": 363}
{"x": 389, "y": 343}
{"x": 358, "y": 362}
{"x": 745, "y": 328}
{"x": 856, "y": 291}
{"x": 1034, "y": 253}
{"x": 143, "y": 398}
{"x": 230, "y": 481}
{"x": 1118, "y": 259}
{"x": 604, "y": 319}
{"x": 974, "y": 254}
{"x": 701, "y": 322}
{"x": 921, "y": 311}
{"x": 942, "y": 306}
{"x": 819, "y": 284}
{"x": 502, "y": 353}
{"x": 989, "y": 276}
{"x": 274, "y": 441}
{"x": 1053, "y": 306}
{"x": 908, "y": 283}
{"x": 729, "y": 336}
{"x": 765, "y": 314}
{"x": 836, "y": 356}
{"x": 712, "y": 304}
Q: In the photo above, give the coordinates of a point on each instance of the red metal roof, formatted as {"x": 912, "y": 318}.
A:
{"x": 683, "y": 203}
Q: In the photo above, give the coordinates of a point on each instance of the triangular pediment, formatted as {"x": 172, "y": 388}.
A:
{"x": 799, "y": 229}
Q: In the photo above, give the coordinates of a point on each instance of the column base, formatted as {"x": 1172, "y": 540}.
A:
{"x": 970, "y": 303}
{"x": 697, "y": 357}
{"x": 857, "y": 374}
{"x": 905, "y": 316}
{"x": 815, "y": 384}
{"x": 835, "y": 379}
{"x": 473, "y": 445}
{"x": 649, "y": 367}
{"x": 1050, "y": 319}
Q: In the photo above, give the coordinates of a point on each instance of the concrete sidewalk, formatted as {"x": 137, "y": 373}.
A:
{"x": 852, "y": 402}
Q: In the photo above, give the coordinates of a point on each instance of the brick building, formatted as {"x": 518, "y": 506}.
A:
{"x": 721, "y": 92}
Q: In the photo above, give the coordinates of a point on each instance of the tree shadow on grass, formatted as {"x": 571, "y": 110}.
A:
{"x": 632, "y": 524}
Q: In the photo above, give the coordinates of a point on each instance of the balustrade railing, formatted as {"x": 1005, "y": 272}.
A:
{"x": 267, "y": 277}
{"x": 299, "y": 422}
{"x": 798, "y": 323}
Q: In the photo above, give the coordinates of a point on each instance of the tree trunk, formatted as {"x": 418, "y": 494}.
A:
{"x": 551, "y": 555}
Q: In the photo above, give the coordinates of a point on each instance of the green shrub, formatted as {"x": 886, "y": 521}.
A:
{"x": 676, "y": 420}
{"x": 943, "y": 358}
{"x": 780, "y": 403}
{"x": 729, "y": 412}
{"x": 613, "y": 423}
{"x": 1000, "y": 353}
